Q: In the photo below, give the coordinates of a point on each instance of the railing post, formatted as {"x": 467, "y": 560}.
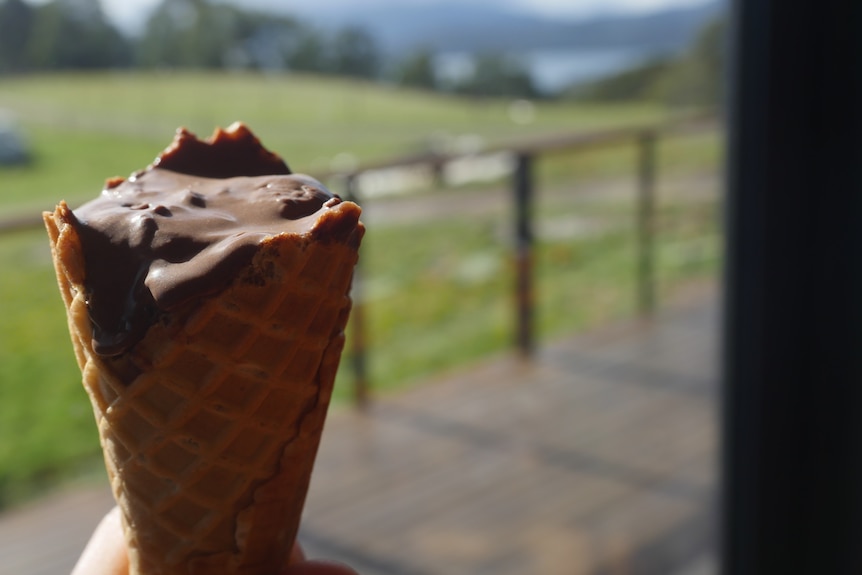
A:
{"x": 646, "y": 222}
{"x": 358, "y": 341}
{"x": 524, "y": 297}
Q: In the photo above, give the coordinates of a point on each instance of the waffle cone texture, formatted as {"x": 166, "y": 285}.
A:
{"x": 210, "y": 424}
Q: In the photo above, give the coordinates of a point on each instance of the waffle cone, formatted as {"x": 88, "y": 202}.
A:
{"x": 210, "y": 424}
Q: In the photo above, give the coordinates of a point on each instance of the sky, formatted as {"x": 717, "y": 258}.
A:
{"x": 125, "y": 13}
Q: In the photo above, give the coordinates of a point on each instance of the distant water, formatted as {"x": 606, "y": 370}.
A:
{"x": 551, "y": 70}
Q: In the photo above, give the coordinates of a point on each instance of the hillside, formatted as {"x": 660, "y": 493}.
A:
{"x": 455, "y": 26}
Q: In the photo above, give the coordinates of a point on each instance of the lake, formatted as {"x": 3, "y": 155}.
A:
{"x": 551, "y": 70}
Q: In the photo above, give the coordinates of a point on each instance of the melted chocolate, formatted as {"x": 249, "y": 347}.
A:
{"x": 164, "y": 236}
{"x": 227, "y": 153}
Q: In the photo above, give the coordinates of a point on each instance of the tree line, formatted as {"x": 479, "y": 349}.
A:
{"x": 200, "y": 34}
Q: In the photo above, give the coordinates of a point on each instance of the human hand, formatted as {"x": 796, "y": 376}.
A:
{"x": 105, "y": 554}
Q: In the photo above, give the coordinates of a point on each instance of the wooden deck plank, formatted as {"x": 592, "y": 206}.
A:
{"x": 656, "y": 440}
{"x": 597, "y": 457}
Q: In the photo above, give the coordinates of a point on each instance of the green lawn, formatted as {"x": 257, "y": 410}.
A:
{"x": 87, "y": 127}
{"x": 438, "y": 291}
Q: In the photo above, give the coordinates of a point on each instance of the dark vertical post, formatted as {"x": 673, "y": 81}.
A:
{"x": 438, "y": 165}
{"x": 646, "y": 222}
{"x": 358, "y": 330}
{"x": 524, "y": 298}
{"x": 792, "y": 449}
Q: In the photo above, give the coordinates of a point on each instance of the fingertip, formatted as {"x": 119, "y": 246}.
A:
{"x": 297, "y": 555}
{"x": 319, "y": 567}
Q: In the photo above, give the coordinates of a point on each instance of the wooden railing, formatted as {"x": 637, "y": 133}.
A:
{"x": 523, "y": 191}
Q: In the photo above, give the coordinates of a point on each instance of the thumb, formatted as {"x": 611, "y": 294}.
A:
{"x": 105, "y": 554}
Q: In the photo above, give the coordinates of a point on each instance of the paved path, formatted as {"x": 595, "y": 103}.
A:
{"x": 596, "y": 459}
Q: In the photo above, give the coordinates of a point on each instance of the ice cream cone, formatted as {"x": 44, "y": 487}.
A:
{"x": 211, "y": 422}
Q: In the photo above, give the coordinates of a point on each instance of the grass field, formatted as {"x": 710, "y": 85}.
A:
{"x": 85, "y": 127}
{"x": 438, "y": 290}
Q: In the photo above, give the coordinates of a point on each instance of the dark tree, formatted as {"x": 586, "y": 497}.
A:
{"x": 202, "y": 34}
{"x": 418, "y": 71}
{"x": 186, "y": 33}
{"x": 498, "y": 75}
{"x": 74, "y": 34}
{"x": 307, "y": 51}
{"x": 354, "y": 53}
{"x": 16, "y": 26}
{"x": 267, "y": 43}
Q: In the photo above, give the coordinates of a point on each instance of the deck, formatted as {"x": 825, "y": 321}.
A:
{"x": 596, "y": 458}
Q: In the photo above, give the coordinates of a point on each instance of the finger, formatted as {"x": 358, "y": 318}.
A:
{"x": 319, "y": 567}
{"x": 296, "y": 554}
{"x": 105, "y": 554}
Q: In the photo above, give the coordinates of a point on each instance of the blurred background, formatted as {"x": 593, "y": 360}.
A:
{"x": 530, "y": 383}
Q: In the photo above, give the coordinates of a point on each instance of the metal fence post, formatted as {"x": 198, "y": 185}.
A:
{"x": 524, "y": 296}
{"x": 646, "y": 222}
{"x": 358, "y": 338}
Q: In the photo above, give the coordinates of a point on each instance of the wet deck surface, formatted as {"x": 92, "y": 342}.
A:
{"x": 598, "y": 457}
